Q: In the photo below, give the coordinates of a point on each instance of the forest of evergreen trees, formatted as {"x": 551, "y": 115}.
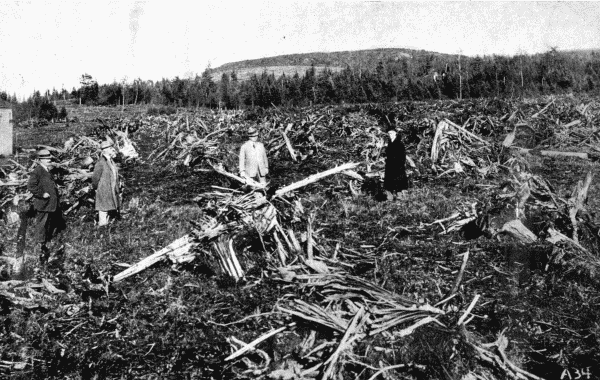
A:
{"x": 423, "y": 77}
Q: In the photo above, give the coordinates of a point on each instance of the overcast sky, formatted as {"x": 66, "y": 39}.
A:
{"x": 49, "y": 44}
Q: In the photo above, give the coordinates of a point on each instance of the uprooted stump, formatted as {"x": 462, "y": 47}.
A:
{"x": 227, "y": 213}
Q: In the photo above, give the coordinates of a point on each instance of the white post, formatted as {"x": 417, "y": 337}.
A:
{"x": 6, "y": 132}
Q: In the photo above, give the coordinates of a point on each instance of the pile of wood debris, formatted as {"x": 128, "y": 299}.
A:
{"x": 352, "y": 322}
{"x": 73, "y": 172}
{"x": 446, "y": 137}
{"x": 190, "y": 138}
{"x": 347, "y": 324}
{"x": 362, "y": 319}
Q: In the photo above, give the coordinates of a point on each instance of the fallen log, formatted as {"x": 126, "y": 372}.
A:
{"x": 13, "y": 183}
{"x": 314, "y": 178}
{"x": 353, "y": 174}
{"x": 540, "y": 112}
{"x": 471, "y": 134}
{"x": 246, "y": 181}
{"x": 516, "y": 229}
{"x": 182, "y": 244}
{"x": 18, "y": 164}
{"x": 555, "y": 153}
{"x": 555, "y": 236}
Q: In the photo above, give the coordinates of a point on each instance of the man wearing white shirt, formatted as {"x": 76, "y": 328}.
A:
{"x": 253, "y": 158}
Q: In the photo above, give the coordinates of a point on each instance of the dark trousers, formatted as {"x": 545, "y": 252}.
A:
{"x": 47, "y": 225}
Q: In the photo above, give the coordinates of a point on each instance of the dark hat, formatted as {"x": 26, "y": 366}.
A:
{"x": 44, "y": 154}
{"x": 252, "y": 132}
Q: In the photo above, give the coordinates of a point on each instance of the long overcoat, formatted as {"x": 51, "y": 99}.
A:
{"x": 106, "y": 182}
{"x": 395, "y": 166}
{"x": 40, "y": 182}
{"x": 253, "y": 159}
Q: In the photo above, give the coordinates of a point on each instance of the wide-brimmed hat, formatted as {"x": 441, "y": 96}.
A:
{"x": 44, "y": 154}
{"x": 252, "y": 132}
{"x": 106, "y": 144}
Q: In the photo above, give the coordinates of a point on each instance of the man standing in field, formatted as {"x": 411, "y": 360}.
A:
{"x": 48, "y": 216}
{"x": 253, "y": 158}
{"x": 106, "y": 182}
{"x": 395, "y": 179}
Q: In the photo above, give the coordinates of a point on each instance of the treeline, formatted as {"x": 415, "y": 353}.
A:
{"x": 37, "y": 108}
{"x": 422, "y": 77}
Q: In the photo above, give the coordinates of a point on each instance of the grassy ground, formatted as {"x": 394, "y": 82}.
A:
{"x": 173, "y": 322}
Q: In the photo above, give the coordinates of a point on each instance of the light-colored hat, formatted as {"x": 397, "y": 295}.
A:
{"x": 252, "y": 132}
{"x": 106, "y": 144}
{"x": 44, "y": 154}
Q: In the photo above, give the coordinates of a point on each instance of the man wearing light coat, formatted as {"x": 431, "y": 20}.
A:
{"x": 106, "y": 182}
{"x": 253, "y": 158}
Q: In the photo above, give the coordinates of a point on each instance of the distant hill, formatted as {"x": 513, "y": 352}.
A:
{"x": 336, "y": 61}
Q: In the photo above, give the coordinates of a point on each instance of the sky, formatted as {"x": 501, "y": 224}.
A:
{"x": 50, "y": 44}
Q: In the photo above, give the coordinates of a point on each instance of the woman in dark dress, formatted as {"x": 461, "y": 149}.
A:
{"x": 395, "y": 166}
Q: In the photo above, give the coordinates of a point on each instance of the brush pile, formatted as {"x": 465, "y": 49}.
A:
{"x": 299, "y": 138}
{"x": 73, "y": 171}
{"x": 346, "y": 323}
{"x": 351, "y": 321}
{"x": 189, "y": 138}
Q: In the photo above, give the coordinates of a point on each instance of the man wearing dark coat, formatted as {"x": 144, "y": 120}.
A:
{"x": 395, "y": 179}
{"x": 106, "y": 182}
{"x": 48, "y": 216}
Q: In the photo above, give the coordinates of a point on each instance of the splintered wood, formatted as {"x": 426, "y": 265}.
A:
{"x": 342, "y": 322}
{"x": 227, "y": 257}
{"x": 253, "y": 209}
{"x": 577, "y": 200}
{"x": 73, "y": 168}
{"x": 176, "y": 248}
